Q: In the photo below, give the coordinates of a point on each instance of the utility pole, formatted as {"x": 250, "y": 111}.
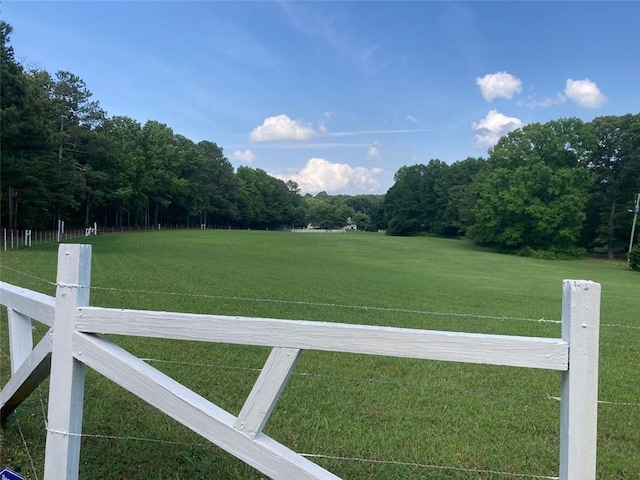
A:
{"x": 633, "y": 226}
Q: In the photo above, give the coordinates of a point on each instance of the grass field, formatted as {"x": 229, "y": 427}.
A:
{"x": 471, "y": 419}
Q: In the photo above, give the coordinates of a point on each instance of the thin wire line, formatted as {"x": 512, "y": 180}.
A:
{"x": 44, "y": 413}
{"x": 319, "y": 304}
{"x": 26, "y": 447}
{"x": 137, "y": 439}
{"x": 622, "y": 404}
{"x": 619, "y": 326}
{"x": 425, "y": 465}
{"x": 355, "y": 307}
{"x": 307, "y": 455}
{"x": 323, "y": 304}
{"x": 28, "y": 275}
{"x": 351, "y": 379}
{"x": 383, "y": 382}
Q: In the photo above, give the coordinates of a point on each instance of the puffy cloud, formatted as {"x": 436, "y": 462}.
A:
{"x": 244, "y": 156}
{"x": 500, "y": 84}
{"x": 585, "y": 93}
{"x": 412, "y": 119}
{"x": 281, "y": 128}
{"x": 321, "y": 175}
{"x": 492, "y": 127}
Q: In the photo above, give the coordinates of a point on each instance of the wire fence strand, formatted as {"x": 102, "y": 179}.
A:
{"x": 322, "y": 304}
{"x": 26, "y": 447}
{"x": 457, "y": 388}
{"x": 312, "y": 455}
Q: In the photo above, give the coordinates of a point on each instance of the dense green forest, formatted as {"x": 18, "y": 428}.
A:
{"x": 557, "y": 188}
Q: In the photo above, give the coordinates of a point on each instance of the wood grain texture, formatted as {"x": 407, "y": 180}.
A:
{"x": 532, "y": 352}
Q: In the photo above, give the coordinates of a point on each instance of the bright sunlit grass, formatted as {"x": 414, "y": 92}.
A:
{"x": 471, "y": 417}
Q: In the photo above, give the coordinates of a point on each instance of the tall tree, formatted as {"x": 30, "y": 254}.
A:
{"x": 534, "y": 191}
{"x": 615, "y": 165}
{"x": 417, "y": 201}
{"x": 26, "y": 143}
{"x": 403, "y": 203}
{"x": 126, "y": 197}
{"x": 460, "y": 196}
{"x": 218, "y": 186}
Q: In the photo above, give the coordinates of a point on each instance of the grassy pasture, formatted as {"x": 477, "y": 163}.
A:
{"x": 472, "y": 418}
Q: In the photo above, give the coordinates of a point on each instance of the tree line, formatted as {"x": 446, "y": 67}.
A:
{"x": 553, "y": 189}
{"x": 64, "y": 159}
{"x": 557, "y": 188}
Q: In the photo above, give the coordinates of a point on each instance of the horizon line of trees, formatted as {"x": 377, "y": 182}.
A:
{"x": 64, "y": 159}
{"x": 557, "y": 188}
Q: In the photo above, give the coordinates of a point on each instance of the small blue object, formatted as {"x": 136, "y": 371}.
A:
{"x": 7, "y": 474}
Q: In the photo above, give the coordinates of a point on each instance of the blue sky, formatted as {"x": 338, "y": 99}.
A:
{"x": 339, "y": 95}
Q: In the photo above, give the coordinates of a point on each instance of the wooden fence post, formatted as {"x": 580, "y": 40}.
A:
{"x": 579, "y": 391}
{"x": 20, "y": 338}
{"x": 66, "y": 391}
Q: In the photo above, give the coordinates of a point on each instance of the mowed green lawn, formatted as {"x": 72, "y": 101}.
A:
{"x": 471, "y": 419}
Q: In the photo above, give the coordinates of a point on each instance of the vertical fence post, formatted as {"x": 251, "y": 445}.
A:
{"x": 66, "y": 391}
{"x": 579, "y": 390}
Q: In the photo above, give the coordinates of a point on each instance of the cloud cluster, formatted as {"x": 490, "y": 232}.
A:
{"x": 281, "y": 128}
{"x": 489, "y": 130}
{"x": 321, "y": 175}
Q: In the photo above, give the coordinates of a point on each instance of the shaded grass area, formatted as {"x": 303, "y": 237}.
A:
{"x": 470, "y": 417}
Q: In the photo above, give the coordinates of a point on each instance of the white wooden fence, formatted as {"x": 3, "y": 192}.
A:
{"x": 75, "y": 340}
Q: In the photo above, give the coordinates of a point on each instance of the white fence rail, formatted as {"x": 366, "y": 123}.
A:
{"x": 75, "y": 340}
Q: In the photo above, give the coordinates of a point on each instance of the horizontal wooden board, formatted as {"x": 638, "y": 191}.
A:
{"x": 532, "y": 352}
{"x": 35, "y": 305}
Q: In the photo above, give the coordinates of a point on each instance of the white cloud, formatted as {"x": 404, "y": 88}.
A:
{"x": 321, "y": 175}
{"x": 412, "y": 119}
{"x": 373, "y": 152}
{"x": 585, "y": 93}
{"x": 500, "y": 84}
{"x": 492, "y": 127}
{"x": 281, "y": 128}
{"x": 244, "y": 156}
